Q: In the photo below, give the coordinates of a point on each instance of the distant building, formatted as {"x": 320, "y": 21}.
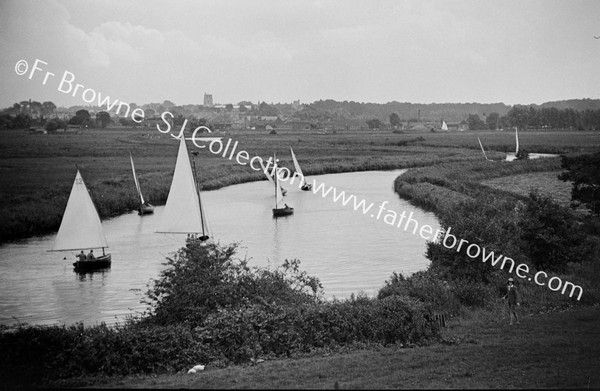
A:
{"x": 208, "y": 100}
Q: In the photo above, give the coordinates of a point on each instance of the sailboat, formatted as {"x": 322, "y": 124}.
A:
{"x": 183, "y": 212}
{"x": 510, "y": 157}
{"x": 482, "y": 150}
{"x": 444, "y": 126}
{"x": 145, "y": 207}
{"x": 305, "y": 185}
{"x": 277, "y": 211}
{"x": 270, "y": 178}
{"x": 81, "y": 229}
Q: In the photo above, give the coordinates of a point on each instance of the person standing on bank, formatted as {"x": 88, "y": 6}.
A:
{"x": 513, "y": 300}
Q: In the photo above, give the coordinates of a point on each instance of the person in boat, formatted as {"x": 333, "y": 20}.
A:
{"x": 90, "y": 256}
{"x": 81, "y": 257}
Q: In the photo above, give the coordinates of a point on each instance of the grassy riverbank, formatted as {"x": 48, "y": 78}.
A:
{"x": 551, "y": 350}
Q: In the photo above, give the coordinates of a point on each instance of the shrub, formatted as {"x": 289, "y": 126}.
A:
{"x": 201, "y": 279}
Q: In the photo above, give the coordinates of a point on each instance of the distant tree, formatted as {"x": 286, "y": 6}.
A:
{"x": 395, "y": 120}
{"x": 492, "y": 121}
{"x": 54, "y": 124}
{"x": 149, "y": 114}
{"x": 374, "y": 123}
{"x": 474, "y": 122}
{"x": 584, "y": 172}
{"x": 104, "y": 118}
{"x": 82, "y": 118}
{"x": 268, "y": 110}
{"x": 168, "y": 104}
{"x": 228, "y": 107}
{"x": 48, "y": 108}
{"x": 36, "y": 108}
{"x": 242, "y": 108}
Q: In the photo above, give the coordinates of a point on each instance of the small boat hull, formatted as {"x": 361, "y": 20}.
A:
{"x": 102, "y": 262}
{"x": 279, "y": 212}
{"x": 146, "y": 209}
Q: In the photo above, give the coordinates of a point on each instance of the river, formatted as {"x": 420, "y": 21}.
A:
{"x": 349, "y": 251}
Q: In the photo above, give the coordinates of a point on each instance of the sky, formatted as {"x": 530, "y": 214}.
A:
{"x": 422, "y": 51}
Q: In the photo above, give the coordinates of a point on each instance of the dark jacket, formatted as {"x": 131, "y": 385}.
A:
{"x": 512, "y": 295}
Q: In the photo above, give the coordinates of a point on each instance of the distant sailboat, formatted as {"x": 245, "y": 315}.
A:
{"x": 81, "y": 229}
{"x": 510, "y": 157}
{"x": 305, "y": 185}
{"x": 183, "y": 213}
{"x": 270, "y": 178}
{"x": 482, "y": 150}
{"x": 145, "y": 207}
{"x": 277, "y": 211}
{"x": 444, "y": 126}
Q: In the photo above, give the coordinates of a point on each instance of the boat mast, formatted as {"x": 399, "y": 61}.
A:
{"x": 275, "y": 179}
{"x": 195, "y": 153}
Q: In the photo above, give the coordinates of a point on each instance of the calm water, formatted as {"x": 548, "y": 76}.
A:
{"x": 349, "y": 251}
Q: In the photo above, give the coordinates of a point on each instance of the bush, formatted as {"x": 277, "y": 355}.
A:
{"x": 425, "y": 286}
{"x": 202, "y": 279}
{"x": 272, "y": 330}
{"x": 551, "y": 237}
{"x": 64, "y": 352}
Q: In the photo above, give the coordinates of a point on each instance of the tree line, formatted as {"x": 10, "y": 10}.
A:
{"x": 531, "y": 117}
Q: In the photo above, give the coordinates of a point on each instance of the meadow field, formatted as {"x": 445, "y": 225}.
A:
{"x": 37, "y": 170}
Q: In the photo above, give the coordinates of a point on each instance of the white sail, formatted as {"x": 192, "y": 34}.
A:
{"x": 482, "y": 150}
{"x": 444, "y": 126}
{"x": 297, "y": 166}
{"x": 80, "y": 227}
{"x": 264, "y": 168}
{"x": 278, "y": 193}
{"x": 182, "y": 213}
{"x": 137, "y": 184}
{"x": 517, "y": 138}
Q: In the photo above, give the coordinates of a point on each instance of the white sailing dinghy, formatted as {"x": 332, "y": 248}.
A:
{"x": 145, "y": 207}
{"x": 305, "y": 185}
{"x": 183, "y": 213}
{"x": 278, "y": 211}
{"x": 81, "y": 229}
{"x": 444, "y": 126}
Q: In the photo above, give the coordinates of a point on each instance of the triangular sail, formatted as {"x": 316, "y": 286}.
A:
{"x": 182, "y": 213}
{"x": 444, "y": 126}
{"x": 264, "y": 168}
{"x": 80, "y": 227}
{"x": 137, "y": 184}
{"x": 278, "y": 193}
{"x": 517, "y": 138}
{"x": 482, "y": 150}
{"x": 297, "y": 166}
